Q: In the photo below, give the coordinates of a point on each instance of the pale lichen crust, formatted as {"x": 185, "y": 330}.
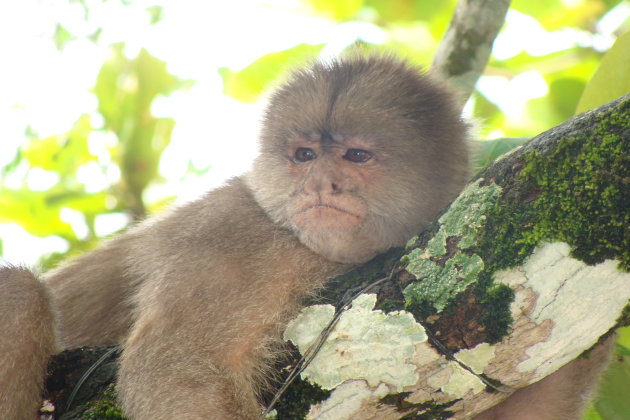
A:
{"x": 443, "y": 273}
{"x": 365, "y": 344}
{"x": 568, "y": 301}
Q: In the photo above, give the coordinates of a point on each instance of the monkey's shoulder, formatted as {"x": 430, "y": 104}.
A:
{"x": 222, "y": 220}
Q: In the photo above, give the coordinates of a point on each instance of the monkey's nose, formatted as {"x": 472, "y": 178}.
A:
{"x": 322, "y": 186}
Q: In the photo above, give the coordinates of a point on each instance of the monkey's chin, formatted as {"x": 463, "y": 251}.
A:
{"x": 347, "y": 246}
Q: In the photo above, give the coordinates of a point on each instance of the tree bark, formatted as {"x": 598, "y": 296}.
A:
{"x": 465, "y": 49}
{"x": 524, "y": 272}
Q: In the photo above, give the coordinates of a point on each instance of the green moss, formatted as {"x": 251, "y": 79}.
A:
{"x": 105, "y": 409}
{"x": 465, "y": 218}
{"x": 624, "y": 318}
{"x": 581, "y": 194}
{"x": 496, "y": 315}
{"x": 577, "y": 192}
{"x": 440, "y": 284}
{"x": 445, "y": 268}
{"x": 449, "y": 264}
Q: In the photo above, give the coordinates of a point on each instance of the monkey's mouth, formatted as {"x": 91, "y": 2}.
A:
{"x": 325, "y": 207}
{"x": 324, "y": 215}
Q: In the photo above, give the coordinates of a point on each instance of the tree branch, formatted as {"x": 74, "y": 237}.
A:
{"x": 479, "y": 300}
{"x": 465, "y": 49}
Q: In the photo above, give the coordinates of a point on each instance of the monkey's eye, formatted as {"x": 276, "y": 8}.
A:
{"x": 357, "y": 155}
{"x": 303, "y": 154}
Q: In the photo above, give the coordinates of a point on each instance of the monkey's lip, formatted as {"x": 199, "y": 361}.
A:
{"x": 318, "y": 216}
{"x": 324, "y": 207}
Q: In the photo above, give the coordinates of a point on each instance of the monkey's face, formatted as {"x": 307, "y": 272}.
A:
{"x": 327, "y": 206}
{"x": 330, "y": 173}
{"x": 346, "y": 197}
{"x": 358, "y": 155}
{"x": 321, "y": 186}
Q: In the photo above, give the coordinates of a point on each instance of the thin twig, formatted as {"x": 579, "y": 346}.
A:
{"x": 87, "y": 374}
{"x": 314, "y": 348}
{"x": 450, "y": 356}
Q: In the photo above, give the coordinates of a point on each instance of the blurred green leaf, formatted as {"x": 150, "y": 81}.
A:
{"x": 612, "y": 78}
{"x": 336, "y": 10}
{"x": 557, "y": 14}
{"x": 391, "y": 11}
{"x": 543, "y": 114}
{"x": 489, "y": 150}
{"x": 246, "y": 85}
{"x": 125, "y": 89}
{"x": 89, "y": 204}
{"x": 612, "y": 402}
{"x": 591, "y": 414}
{"x": 414, "y": 39}
{"x": 62, "y": 37}
{"x": 487, "y": 111}
{"x": 32, "y": 211}
{"x": 156, "y": 13}
{"x": 564, "y": 94}
{"x": 62, "y": 153}
{"x": 623, "y": 339}
{"x": 538, "y": 8}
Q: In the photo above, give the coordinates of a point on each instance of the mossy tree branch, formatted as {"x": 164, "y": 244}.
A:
{"x": 479, "y": 300}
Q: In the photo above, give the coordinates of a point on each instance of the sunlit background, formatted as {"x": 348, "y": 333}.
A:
{"x": 52, "y": 52}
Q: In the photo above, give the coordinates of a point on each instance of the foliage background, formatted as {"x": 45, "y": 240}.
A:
{"x": 134, "y": 129}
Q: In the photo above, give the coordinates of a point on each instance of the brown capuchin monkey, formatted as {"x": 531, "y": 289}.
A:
{"x": 357, "y": 155}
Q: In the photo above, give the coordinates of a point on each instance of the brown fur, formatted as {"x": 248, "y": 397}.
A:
{"x": 26, "y": 342}
{"x": 199, "y": 295}
{"x": 563, "y": 395}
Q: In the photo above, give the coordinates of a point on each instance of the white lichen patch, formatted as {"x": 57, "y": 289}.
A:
{"x": 365, "y": 344}
{"x": 346, "y": 400}
{"x": 307, "y": 326}
{"x": 438, "y": 284}
{"x": 466, "y": 217}
{"x": 456, "y": 380}
{"x": 426, "y": 354}
{"x": 476, "y": 358}
{"x": 461, "y": 382}
{"x": 581, "y": 301}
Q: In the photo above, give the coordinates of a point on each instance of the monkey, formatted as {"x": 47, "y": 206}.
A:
{"x": 357, "y": 155}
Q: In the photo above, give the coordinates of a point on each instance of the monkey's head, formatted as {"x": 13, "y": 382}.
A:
{"x": 358, "y": 155}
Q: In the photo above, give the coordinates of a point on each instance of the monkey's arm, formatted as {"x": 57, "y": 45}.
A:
{"x": 191, "y": 362}
{"x": 210, "y": 307}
